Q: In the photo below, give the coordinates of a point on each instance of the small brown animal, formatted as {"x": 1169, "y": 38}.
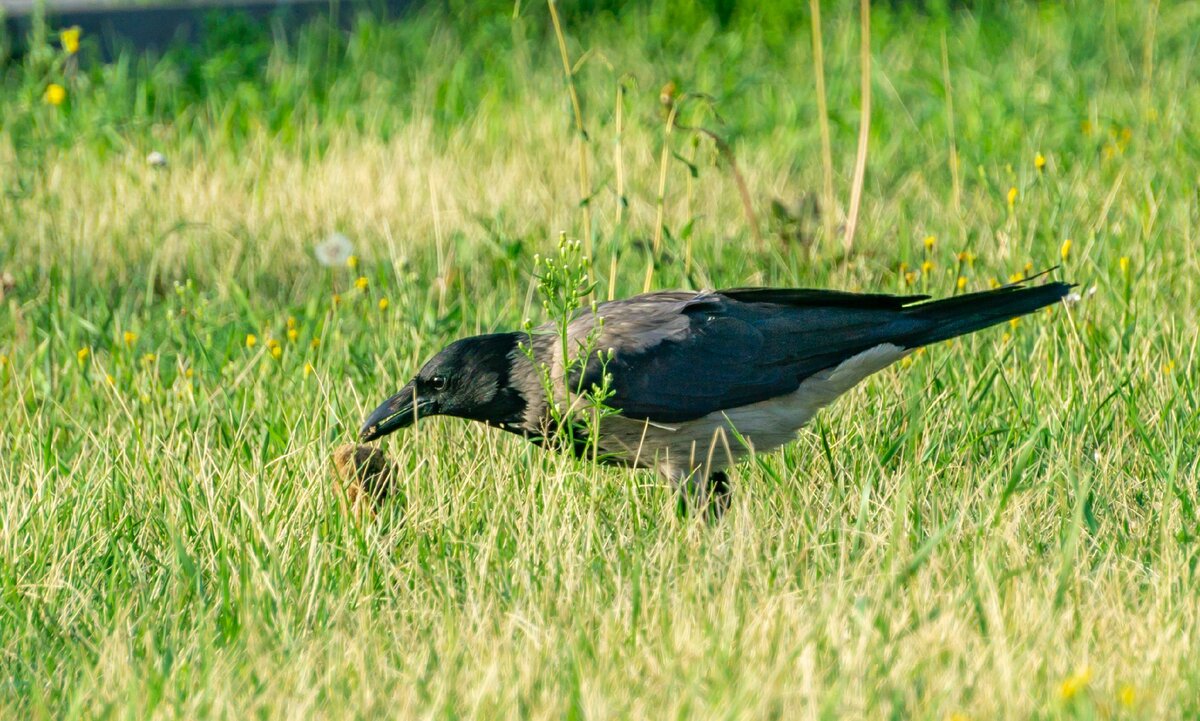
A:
{"x": 364, "y": 472}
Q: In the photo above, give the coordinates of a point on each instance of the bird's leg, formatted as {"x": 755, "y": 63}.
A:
{"x": 719, "y": 494}
{"x": 708, "y": 493}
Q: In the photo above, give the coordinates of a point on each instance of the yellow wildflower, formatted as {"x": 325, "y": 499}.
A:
{"x": 337, "y": 300}
{"x": 316, "y": 343}
{"x": 929, "y": 241}
{"x": 189, "y": 373}
{"x": 3, "y": 360}
{"x": 69, "y": 39}
{"x": 293, "y": 334}
{"x": 251, "y": 340}
{"x": 958, "y": 717}
{"x": 1012, "y": 196}
{"x": 910, "y": 277}
{"x": 927, "y": 267}
{"x": 962, "y": 282}
{"x": 1124, "y": 262}
{"x": 362, "y": 282}
{"x": 276, "y": 352}
{"x": 993, "y": 283}
{"x": 55, "y": 94}
{"x": 383, "y": 304}
{"x": 1126, "y": 695}
{"x": 1006, "y": 337}
{"x": 308, "y": 369}
{"x": 352, "y": 262}
{"x": 130, "y": 337}
{"x": 291, "y": 322}
{"x": 1039, "y": 162}
{"x": 1014, "y": 322}
{"x": 149, "y": 358}
{"x": 109, "y": 379}
{"x": 1065, "y": 250}
{"x": 1168, "y": 368}
{"x": 967, "y": 257}
{"x": 1073, "y": 684}
{"x": 82, "y": 354}
{"x": 903, "y": 268}
{"x": 1016, "y": 277}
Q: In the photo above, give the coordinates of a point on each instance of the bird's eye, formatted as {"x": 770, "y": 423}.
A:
{"x": 438, "y": 383}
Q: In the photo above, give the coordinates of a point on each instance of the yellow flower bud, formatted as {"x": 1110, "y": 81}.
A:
{"x": 69, "y": 39}
{"x": 55, "y": 94}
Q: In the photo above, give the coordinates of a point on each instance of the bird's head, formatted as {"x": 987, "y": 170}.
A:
{"x": 469, "y": 378}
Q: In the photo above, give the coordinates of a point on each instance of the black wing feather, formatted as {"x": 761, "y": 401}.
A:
{"x": 809, "y": 297}
{"x": 748, "y": 345}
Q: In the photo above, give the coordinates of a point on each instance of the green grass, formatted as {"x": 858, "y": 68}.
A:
{"x": 964, "y": 534}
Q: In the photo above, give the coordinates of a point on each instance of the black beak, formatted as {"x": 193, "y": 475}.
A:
{"x": 397, "y": 412}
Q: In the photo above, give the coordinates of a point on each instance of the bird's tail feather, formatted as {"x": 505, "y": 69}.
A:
{"x": 951, "y": 317}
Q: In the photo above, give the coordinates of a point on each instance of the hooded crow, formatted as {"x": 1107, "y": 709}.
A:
{"x": 697, "y": 379}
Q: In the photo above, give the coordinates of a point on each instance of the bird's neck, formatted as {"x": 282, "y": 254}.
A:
{"x": 500, "y": 358}
{"x": 523, "y": 392}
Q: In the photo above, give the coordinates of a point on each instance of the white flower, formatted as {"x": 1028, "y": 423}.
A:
{"x": 334, "y": 251}
{"x": 156, "y": 160}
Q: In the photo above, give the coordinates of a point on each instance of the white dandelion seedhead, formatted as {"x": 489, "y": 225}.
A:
{"x": 334, "y": 251}
{"x": 1075, "y": 296}
{"x": 156, "y": 160}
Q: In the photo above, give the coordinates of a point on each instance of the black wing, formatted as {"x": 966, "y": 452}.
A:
{"x": 736, "y": 347}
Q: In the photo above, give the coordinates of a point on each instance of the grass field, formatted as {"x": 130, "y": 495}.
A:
{"x": 1006, "y": 527}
